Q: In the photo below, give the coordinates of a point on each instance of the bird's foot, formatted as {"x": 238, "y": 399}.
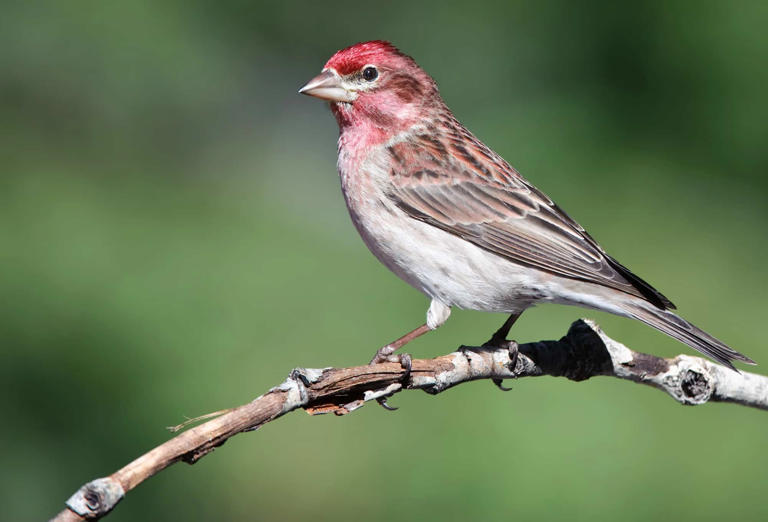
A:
{"x": 514, "y": 352}
{"x": 498, "y": 340}
{"x": 405, "y": 360}
{"x": 383, "y": 403}
{"x": 467, "y": 350}
{"x": 384, "y": 355}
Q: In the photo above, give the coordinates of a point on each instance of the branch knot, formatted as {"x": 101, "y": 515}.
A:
{"x": 96, "y": 498}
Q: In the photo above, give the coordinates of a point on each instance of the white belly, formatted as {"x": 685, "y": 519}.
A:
{"x": 441, "y": 265}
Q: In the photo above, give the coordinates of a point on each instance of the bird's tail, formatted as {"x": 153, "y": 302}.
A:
{"x": 680, "y": 329}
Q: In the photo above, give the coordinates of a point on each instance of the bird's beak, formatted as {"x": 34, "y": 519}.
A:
{"x": 327, "y": 86}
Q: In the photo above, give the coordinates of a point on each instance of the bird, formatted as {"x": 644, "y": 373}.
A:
{"x": 454, "y": 220}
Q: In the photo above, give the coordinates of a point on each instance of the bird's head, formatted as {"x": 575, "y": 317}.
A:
{"x": 373, "y": 84}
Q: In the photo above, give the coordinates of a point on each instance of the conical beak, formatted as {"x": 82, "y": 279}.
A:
{"x": 327, "y": 86}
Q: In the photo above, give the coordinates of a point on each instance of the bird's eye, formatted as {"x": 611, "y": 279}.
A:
{"x": 370, "y": 73}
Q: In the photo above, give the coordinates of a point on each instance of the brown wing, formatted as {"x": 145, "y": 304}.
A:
{"x": 459, "y": 185}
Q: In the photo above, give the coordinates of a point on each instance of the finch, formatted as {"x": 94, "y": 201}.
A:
{"x": 454, "y": 220}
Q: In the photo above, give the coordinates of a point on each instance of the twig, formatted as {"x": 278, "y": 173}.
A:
{"x": 583, "y": 353}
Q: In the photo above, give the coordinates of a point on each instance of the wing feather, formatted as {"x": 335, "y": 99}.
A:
{"x": 469, "y": 191}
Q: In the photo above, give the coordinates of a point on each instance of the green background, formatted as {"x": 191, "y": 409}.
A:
{"x": 173, "y": 241}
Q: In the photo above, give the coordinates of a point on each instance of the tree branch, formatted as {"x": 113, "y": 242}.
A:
{"x": 583, "y": 353}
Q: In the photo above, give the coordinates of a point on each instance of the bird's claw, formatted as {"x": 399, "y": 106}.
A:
{"x": 406, "y": 362}
{"x": 513, "y": 356}
{"x": 383, "y": 403}
{"x": 500, "y": 385}
{"x": 384, "y": 355}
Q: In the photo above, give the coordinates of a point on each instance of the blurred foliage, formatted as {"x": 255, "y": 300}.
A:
{"x": 174, "y": 241}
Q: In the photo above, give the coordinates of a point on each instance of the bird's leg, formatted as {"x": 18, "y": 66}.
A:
{"x": 499, "y": 339}
{"x": 384, "y": 353}
{"x": 437, "y": 314}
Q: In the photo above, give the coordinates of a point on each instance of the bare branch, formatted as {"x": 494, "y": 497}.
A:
{"x": 583, "y": 353}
